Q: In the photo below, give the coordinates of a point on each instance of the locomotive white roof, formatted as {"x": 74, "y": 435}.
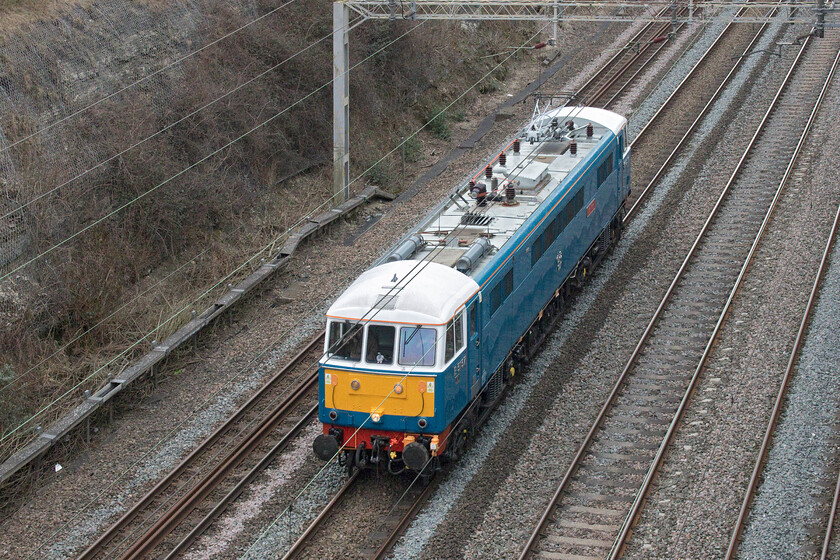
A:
{"x": 537, "y": 171}
{"x": 423, "y": 293}
{"x": 607, "y": 119}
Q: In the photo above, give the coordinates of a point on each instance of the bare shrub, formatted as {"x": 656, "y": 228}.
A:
{"x": 224, "y": 208}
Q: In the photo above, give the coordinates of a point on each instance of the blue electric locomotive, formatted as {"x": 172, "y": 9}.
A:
{"x": 420, "y": 346}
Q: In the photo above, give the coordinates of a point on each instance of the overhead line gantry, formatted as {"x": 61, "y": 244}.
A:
{"x": 549, "y": 11}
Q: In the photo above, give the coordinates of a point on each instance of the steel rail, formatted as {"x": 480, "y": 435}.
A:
{"x": 231, "y": 496}
{"x": 603, "y": 71}
{"x": 182, "y": 467}
{"x": 651, "y": 324}
{"x": 304, "y": 538}
{"x": 185, "y": 505}
{"x": 679, "y": 145}
{"x": 383, "y": 550}
{"x": 660, "y": 454}
{"x": 830, "y": 526}
{"x": 637, "y": 55}
{"x": 800, "y": 335}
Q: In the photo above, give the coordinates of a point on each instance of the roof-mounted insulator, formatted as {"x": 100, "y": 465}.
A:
{"x": 488, "y": 171}
{"x": 516, "y": 146}
{"x": 590, "y": 130}
{"x": 510, "y": 196}
{"x": 502, "y": 159}
{"x": 573, "y": 148}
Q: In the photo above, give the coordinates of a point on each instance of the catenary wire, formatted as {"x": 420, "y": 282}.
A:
{"x": 146, "y": 77}
{"x": 196, "y": 409}
{"x": 167, "y": 127}
{"x": 37, "y": 414}
{"x": 147, "y": 290}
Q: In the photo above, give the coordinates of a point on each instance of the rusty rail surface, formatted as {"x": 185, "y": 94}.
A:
{"x": 152, "y": 359}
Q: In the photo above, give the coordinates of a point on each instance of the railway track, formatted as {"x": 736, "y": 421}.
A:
{"x": 404, "y": 506}
{"x": 832, "y": 538}
{"x": 606, "y": 85}
{"x": 602, "y": 493}
{"x": 181, "y": 506}
{"x": 769, "y": 433}
{"x": 716, "y": 66}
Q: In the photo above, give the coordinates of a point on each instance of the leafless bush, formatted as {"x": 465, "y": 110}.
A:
{"x": 225, "y": 207}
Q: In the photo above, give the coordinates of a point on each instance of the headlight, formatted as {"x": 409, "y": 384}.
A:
{"x": 375, "y": 417}
{"x": 398, "y": 389}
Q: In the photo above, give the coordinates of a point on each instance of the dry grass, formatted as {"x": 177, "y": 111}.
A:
{"x": 223, "y": 209}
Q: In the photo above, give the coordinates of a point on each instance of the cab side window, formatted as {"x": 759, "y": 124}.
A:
{"x": 459, "y": 330}
{"x": 449, "y": 350}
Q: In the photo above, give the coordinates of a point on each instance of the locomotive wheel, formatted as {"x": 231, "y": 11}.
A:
{"x": 361, "y": 460}
{"x": 461, "y": 440}
{"x": 348, "y": 462}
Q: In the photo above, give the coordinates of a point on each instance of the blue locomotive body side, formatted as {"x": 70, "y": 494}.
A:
{"x": 512, "y": 288}
{"x": 506, "y": 316}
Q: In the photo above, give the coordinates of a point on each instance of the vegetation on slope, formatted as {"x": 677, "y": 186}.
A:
{"x": 201, "y": 224}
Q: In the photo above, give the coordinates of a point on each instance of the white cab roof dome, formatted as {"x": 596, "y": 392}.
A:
{"x": 607, "y": 119}
{"x": 425, "y": 293}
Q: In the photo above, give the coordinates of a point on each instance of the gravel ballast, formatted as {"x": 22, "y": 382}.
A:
{"x": 129, "y": 456}
{"x": 499, "y": 502}
{"x": 694, "y": 501}
{"x": 800, "y": 471}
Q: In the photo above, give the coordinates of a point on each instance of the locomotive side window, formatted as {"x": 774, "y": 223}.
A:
{"x": 537, "y": 249}
{"x": 380, "y": 344}
{"x": 578, "y": 201}
{"x": 459, "y": 330}
{"x": 558, "y": 224}
{"x": 569, "y": 212}
{"x": 495, "y": 298}
{"x": 417, "y": 346}
{"x": 605, "y": 169}
{"x": 550, "y": 236}
{"x": 345, "y": 341}
{"x": 507, "y": 285}
{"x": 449, "y": 349}
{"x": 473, "y": 319}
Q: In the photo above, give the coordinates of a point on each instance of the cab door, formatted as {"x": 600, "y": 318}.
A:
{"x": 473, "y": 349}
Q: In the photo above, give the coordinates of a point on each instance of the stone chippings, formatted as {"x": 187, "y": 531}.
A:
{"x": 642, "y": 112}
{"x": 694, "y": 503}
{"x": 148, "y": 470}
{"x": 488, "y": 506}
{"x": 251, "y": 505}
{"x": 798, "y": 475}
{"x": 92, "y": 490}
